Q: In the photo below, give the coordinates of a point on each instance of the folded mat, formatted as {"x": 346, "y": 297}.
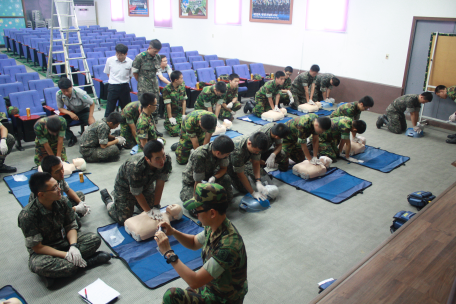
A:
{"x": 335, "y": 186}
{"x": 8, "y": 292}
{"x": 381, "y": 160}
{"x": 21, "y": 190}
{"x": 319, "y": 112}
{"x": 256, "y": 120}
{"x": 229, "y": 133}
{"x": 143, "y": 258}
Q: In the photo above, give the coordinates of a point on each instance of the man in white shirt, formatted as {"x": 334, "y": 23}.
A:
{"x": 164, "y": 68}
{"x": 119, "y": 70}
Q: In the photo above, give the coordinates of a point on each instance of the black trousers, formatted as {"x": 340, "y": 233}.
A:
{"x": 120, "y": 92}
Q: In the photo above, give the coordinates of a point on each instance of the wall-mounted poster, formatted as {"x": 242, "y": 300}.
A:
{"x": 193, "y": 9}
{"x": 271, "y": 11}
{"x": 138, "y": 8}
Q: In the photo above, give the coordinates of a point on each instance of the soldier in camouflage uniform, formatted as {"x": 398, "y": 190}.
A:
{"x": 134, "y": 184}
{"x": 295, "y": 144}
{"x": 223, "y": 252}
{"x": 394, "y": 118}
{"x": 145, "y": 128}
{"x": 6, "y": 145}
{"x": 333, "y": 141}
{"x": 50, "y": 132}
{"x": 211, "y": 97}
{"x": 353, "y": 109}
{"x": 286, "y": 87}
{"x": 300, "y": 87}
{"x": 130, "y": 115}
{"x": 97, "y": 144}
{"x": 208, "y": 163}
{"x": 175, "y": 100}
{"x": 56, "y": 249}
{"x": 444, "y": 92}
{"x": 323, "y": 86}
{"x": 267, "y": 97}
{"x": 196, "y": 130}
{"x": 145, "y": 68}
{"x": 231, "y": 104}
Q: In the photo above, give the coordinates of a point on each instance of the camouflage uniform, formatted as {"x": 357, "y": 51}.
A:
{"x": 175, "y": 98}
{"x": 10, "y": 143}
{"x": 147, "y": 67}
{"x": 281, "y": 158}
{"x": 135, "y": 177}
{"x": 349, "y": 110}
{"x": 238, "y": 162}
{"x": 451, "y": 91}
{"x": 330, "y": 139}
{"x": 131, "y": 114}
{"x": 95, "y": 135}
{"x": 269, "y": 90}
{"x": 43, "y": 136}
{"x": 202, "y": 165}
{"x": 301, "y": 128}
{"x": 145, "y": 129}
{"x": 284, "y": 98}
{"x": 208, "y": 99}
{"x": 298, "y": 91}
{"x": 41, "y": 225}
{"x": 191, "y": 128}
{"x": 322, "y": 83}
{"x": 230, "y": 94}
{"x": 11, "y": 112}
{"x": 395, "y": 112}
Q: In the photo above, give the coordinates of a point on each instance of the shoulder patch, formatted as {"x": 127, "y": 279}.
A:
{"x": 223, "y": 255}
{"x": 144, "y": 53}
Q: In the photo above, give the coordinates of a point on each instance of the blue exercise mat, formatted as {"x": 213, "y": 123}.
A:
{"x": 143, "y": 258}
{"x": 21, "y": 190}
{"x": 229, "y": 133}
{"x": 256, "y": 120}
{"x": 380, "y": 160}
{"x": 319, "y": 112}
{"x": 335, "y": 186}
{"x": 8, "y": 292}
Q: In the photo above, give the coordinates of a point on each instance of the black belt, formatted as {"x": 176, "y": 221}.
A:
{"x": 119, "y": 83}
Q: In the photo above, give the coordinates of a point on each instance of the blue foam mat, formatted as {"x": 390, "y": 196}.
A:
{"x": 8, "y": 292}
{"x": 335, "y": 186}
{"x": 229, "y": 133}
{"x": 256, "y": 120}
{"x": 380, "y": 160}
{"x": 319, "y": 112}
{"x": 144, "y": 260}
{"x": 21, "y": 190}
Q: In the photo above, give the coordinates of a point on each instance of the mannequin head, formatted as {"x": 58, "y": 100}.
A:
{"x": 80, "y": 164}
{"x": 175, "y": 212}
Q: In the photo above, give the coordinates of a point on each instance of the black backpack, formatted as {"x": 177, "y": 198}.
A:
{"x": 420, "y": 199}
{"x": 400, "y": 219}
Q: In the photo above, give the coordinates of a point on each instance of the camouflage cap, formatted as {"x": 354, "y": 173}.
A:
{"x": 257, "y": 77}
{"x": 206, "y": 193}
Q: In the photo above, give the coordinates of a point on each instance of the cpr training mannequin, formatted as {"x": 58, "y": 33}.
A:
{"x": 306, "y": 170}
{"x": 11, "y": 301}
{"x": 225, "y": 126}
{"x": 144, "y": 226}
{"x": 272, "y": 115}
{"x": 78, "y": 164}
{"x": 358, "y": 145}
{"x": 309, "y": 107}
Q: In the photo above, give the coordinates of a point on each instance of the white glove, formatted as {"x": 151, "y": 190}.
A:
{"x": 357, "y": 140}
{"x": 230, "y": 105}
{"x": 277, "y": 109}
{"x": 417, "y": 129}
{"x": 314, "y": 160}
{"x": 121, "y": 140}
{"x": 3, "y": 147}
{"x": 82, "y": 208}
{"x": 291, "y": 100}
{"x": 173, "y": 121}
{"x": 211, "y": 180}
{"x": 311, "y": 102}
{"x": 183, "y": 117}
{"x": 219, "y": 124}
{"x": 452, "y": 117}
{"x": 353, "y": 160}
{"x": 74, "y": 256}
{"x": 261, "y": 188}
{"x": 259, "y": 196}
{"x": 270, "y": 162}
{"x": 161, "y": 140}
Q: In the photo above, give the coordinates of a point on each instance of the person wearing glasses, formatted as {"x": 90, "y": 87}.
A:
{"x": 55, "y": 247}
{"x": 285, "y": 94}
{"x": 353, "y": 110}
{"x": 223, "y": 277}
{"x": 145, "y": 127}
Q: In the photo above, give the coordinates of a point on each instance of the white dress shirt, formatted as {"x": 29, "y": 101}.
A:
{"x": 119, "y": 72}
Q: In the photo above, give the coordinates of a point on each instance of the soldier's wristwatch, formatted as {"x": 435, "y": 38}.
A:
{"x": 75, "y": 245}
{"x": 173, "y": 258}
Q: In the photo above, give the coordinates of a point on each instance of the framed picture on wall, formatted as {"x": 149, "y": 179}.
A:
{"x": 271, "y": 11}
{"x": 138, "y": 8}
{"x": 193, "y": 9}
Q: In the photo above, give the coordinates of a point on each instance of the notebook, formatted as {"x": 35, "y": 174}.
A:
{"x": 98, "y": 293}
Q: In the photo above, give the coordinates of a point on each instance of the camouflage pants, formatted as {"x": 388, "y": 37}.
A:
{"x": 298, "y": 100}
{"x": 53, "y": 267}
{"x": 125, "y": 202}
{"x": 10, "y": 143}
{"x": 281, "y": 159}
{"x": 173, "y": 130}
{"x": 261, "y": 107}
{"x": 329, "y": 145}
{"x": 70, "y": 203}
{"x": 397, "y": 123}
{"x": 184, "y": 148}
{"x": 95, "y": 155}
{"x": 187, "y": 189}
{"x": 318, "y": 95}
{"x": 193, "y": 296}
{"x": 125, "y": 132}
{"x": 40, "y": 152}
{"x": 224, "y": 114}
{"x": 293, "y": 151}
{"x": 248, "y": 171}
{"x": 284, "y": 98}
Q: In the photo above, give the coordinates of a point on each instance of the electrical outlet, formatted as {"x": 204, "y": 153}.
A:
{"x": 154, "y": 30}
{"x": 212, "y": 35}
{"x": 387, "y": 56}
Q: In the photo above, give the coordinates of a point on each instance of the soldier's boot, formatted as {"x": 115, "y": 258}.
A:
{"x": 249, "y": 107}
{"x": 4, "y": 168}
{"x": 382, "y": 120}
{"x": 174, "y": 146}
{"x": 100, "y": 257}
{"x": 48, "y": 282}
{"x": 451, "y": 136}
{"x": 451, "y": 141}
{"x": 106, "y": 197}
{"x": 159, "y": 134}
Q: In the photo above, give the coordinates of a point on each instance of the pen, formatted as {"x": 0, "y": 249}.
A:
{"x": 85, "y": 292}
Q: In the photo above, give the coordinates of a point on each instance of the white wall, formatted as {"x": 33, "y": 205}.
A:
{"x": 374, "y": 29}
